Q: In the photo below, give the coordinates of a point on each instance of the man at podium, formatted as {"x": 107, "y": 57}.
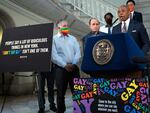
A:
{"x": 135, "y": 29}
{"x": 94, "y": 26}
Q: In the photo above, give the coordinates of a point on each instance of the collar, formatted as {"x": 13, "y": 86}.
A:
{"x": 94, "y": 33}
{"x": 59, "y": 34}
{"x": 127, "y": 21}
{"x": 132, "y": 12}
{"x": 108, "y": 25}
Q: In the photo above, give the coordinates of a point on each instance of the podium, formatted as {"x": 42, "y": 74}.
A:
{"x": 108, "y": 55}
{"x": 124, "y": 47}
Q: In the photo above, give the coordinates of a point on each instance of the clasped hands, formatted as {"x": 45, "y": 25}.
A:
{"x": 70, "y": 67}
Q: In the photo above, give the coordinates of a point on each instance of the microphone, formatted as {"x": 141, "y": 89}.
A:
{"x": 115, "y": 21}
{"x": 141, "y": 60}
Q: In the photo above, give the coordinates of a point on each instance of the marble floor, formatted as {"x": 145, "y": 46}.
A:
{"x": 29, "y": 104}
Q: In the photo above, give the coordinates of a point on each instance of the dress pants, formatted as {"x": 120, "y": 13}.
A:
{"x": 63, "y": 78}
{"x": 42, "y": 77}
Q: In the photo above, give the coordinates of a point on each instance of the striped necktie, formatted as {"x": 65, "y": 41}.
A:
{"x": 124, "y": 28}
{"x": 131, "y": 16}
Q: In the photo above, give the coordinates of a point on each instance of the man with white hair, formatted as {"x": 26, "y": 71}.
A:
{"x": 65, "y": 56}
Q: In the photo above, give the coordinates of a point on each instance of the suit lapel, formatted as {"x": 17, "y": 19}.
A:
{"x": 134, "y": 15}
{"x": 130, "y": 26}
{"x": 119, "y": 28}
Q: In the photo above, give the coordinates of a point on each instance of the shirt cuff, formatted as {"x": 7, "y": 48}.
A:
{"x": 74, "y": 62}
{"x": 63, "y": 65}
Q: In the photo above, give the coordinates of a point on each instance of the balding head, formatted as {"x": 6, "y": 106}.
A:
{"x": 94, "y": 25}
{"x": 123, "y": 12}
{"x": 62, "y": 23}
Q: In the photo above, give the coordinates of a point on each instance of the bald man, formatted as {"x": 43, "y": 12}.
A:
{"x": 134, "y": 28}
{"x": 94, "y": 26}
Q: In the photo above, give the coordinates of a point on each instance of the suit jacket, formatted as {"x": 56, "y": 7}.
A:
{"x": 137, "y": 16}
{"x": 138, "y": 32}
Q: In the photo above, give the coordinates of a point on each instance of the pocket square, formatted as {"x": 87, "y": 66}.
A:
{"x": 133, "y": 30}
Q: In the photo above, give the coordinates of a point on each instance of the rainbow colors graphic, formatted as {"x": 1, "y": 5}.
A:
{"x": 12, "y": 52}
{"x": 65, "y": 30}
{"x": 115, "y": 95}
{"x": 5, "y": 52}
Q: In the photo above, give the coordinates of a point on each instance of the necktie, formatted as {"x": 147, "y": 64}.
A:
{"x": 109, "y": 32}
{"x": 131, "y": 16}
{"x": 124, "y": 28}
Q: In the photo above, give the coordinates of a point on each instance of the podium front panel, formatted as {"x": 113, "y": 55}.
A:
{"x": 100, "y": 95}
{"x": 124, "y": 49}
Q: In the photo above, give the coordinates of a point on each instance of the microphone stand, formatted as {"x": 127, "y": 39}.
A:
{"x": 115, "y": 21}
{"x": 144, "y": 60}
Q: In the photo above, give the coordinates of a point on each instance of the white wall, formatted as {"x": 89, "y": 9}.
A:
{"x": 116, "y": 3}
{"x": 22, "y": 17}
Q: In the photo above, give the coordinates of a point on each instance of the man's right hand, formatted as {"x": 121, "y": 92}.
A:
{"x": 69, "y": 67}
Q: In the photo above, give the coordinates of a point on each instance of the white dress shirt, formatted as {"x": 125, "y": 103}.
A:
{"x": 127, "y": 23}
{"x": 65, "y": 49}
{"x": 104, "y": 29}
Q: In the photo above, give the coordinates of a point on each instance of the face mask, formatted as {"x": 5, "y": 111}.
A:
{"x": 65, "y": 30}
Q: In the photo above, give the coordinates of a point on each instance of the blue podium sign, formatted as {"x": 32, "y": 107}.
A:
{"x": 121, "y": 48}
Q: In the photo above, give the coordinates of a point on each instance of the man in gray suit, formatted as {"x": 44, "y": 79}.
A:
{"x": 134, "y": 28}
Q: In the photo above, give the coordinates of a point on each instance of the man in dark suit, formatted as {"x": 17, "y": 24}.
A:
{"x": 137, "y": 16}
{"x": 94, "y": 26}
{"x": 134, "y": 28}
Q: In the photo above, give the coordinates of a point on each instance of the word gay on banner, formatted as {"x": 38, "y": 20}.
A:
{"x": 99, "y": 95}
